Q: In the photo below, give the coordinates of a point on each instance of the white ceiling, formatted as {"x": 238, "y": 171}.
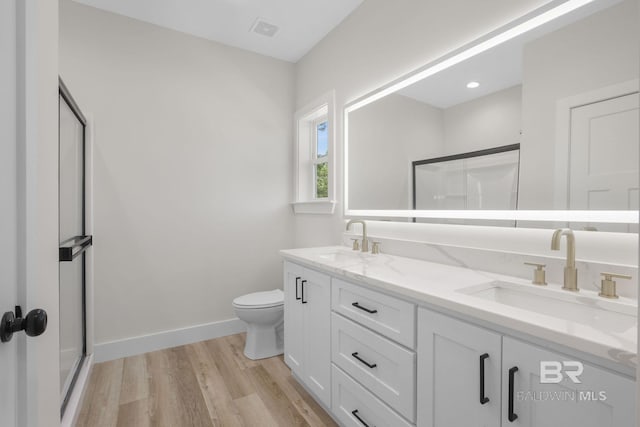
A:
{"x": 302, "y": 23}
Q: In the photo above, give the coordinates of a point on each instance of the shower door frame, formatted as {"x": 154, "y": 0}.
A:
{"x": 66, "y": 96}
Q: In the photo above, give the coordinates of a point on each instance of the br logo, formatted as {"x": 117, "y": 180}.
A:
{"x": 552, "y": 372}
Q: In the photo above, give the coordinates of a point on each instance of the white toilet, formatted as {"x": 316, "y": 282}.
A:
{"x": 264, "y": 314}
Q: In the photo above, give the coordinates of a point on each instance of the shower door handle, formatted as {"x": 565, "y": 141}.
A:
{"x": 73, "y": 247}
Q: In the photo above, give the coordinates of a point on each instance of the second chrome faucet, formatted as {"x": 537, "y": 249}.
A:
{"x": 570, "y": 270}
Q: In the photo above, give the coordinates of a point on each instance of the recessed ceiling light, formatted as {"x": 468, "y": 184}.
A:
{"x": 262, "y": 27}
{"x": 473, "y": 85}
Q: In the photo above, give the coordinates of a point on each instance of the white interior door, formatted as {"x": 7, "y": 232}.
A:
{"x": 29, "y": 208}
{"x": 8, "y": 211}
{"x": 604, "y": 156}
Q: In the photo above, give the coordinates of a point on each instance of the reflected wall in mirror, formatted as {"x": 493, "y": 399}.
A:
{"x": 567, "y": 92}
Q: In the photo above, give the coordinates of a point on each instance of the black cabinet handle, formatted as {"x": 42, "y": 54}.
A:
{"x": 356, "y": 305}
{"x": 355, "y": 414}
{"x": 297, "y": 297}
{"x": 302, "y": 291}
{"x": 369, "y": 365}
{"x": 483, "y": 399}
{"x": 512, "y": 415}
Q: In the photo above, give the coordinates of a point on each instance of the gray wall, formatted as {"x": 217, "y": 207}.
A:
{"x": 191, "y": 169}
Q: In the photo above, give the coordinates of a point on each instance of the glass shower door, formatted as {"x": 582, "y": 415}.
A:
{"x": 73, "y": 242}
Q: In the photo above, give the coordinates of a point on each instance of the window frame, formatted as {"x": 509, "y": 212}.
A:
{"x": 306, "y": 158}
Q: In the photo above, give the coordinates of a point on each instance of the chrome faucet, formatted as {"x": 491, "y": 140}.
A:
{"x": 570, "y": 271}
{"x": 365, "y": 242}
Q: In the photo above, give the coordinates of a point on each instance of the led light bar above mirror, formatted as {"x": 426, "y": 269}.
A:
{"x": 561, "y": 83}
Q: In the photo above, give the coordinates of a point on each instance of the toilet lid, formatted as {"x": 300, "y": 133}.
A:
{"x": 260, "y": 299}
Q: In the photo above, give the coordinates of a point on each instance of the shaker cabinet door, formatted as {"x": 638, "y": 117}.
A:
{"x": 315, "y": 292}
{"x": 458, "y": 373}
{"x": 307, "y": 328}
{"x": 538, "y": 390}
{"x": 293, "y": 327}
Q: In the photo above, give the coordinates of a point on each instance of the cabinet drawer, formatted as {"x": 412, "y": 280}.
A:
{"x": 383, "y": 367}
{"x": 350, "y": 401}
{"x": 387, "y": 315}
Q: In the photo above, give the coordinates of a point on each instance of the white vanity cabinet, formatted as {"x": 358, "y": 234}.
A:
{"x": 377, "y": 358}
{"x": 466, "y": 374}
{"x": 307, "y": 339}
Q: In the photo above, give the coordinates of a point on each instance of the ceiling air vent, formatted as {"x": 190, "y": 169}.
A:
{"x": 262, "y": 27}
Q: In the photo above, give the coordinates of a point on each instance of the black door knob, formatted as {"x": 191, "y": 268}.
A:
{"x": 34, "y": 324}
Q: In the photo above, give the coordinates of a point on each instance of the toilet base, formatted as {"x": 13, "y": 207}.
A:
{"x": 264, "y": 341}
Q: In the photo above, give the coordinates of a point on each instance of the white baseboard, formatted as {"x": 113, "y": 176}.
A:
{"x": 74, "y": 404}
{"x": 143, "y": 344}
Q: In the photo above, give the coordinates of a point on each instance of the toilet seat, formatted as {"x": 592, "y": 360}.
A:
{"x": 265, "y": 299}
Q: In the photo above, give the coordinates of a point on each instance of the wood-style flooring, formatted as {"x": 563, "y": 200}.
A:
{"x": 210, "y": 383}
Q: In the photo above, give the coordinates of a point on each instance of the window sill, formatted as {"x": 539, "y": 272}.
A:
{"x": 326, "y": 207}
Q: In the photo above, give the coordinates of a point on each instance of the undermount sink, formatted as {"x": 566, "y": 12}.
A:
{"x": 576, "y": 307}
{"x": 332, "y": 256}
{"x": 343, "y": 255}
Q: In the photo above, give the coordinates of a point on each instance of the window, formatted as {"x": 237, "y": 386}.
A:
{"x": 314, "y": 158}
{"x": 321, "y": 159}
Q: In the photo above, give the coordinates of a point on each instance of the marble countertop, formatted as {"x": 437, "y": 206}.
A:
{"x": 443, "y": 286}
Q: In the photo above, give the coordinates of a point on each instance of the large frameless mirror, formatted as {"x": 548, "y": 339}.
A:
{"x": 561, "y": 84}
